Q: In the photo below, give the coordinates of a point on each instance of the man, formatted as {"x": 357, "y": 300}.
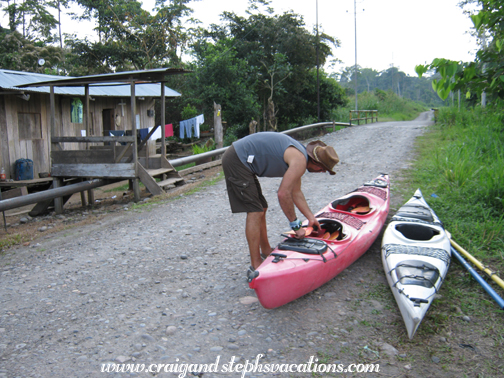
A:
{"x": 270, "y": 154}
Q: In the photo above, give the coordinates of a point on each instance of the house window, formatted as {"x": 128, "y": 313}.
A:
{"x": 29, "y": 126}
{"x": 76, "y": 110}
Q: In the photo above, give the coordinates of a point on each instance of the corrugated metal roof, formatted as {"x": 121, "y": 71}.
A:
{"x": 12, "y": 79}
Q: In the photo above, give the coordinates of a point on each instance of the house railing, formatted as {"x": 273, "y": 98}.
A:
{"x": 98, "y": 161}
{"x": 363, "y": 115}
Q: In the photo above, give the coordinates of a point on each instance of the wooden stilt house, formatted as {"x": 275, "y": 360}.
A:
{"x": 63, "y": 125}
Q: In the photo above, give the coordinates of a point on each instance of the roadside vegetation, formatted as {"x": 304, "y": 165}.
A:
{"x": 390, "y": 106}
{"x": 460, "y": 170}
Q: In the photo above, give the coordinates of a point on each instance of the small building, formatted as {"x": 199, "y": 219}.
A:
{"x": 25, "y": 115}
{"x": 81, "y": 128}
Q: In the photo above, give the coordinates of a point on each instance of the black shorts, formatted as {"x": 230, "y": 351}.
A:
{"x": 244, "y": 191}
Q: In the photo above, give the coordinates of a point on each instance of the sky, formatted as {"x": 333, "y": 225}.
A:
{"x": 402, "y": 33}
{"x": 399, "y": 33}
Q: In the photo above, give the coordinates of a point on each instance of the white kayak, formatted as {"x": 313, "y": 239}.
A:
{"x": 416, "y": 256}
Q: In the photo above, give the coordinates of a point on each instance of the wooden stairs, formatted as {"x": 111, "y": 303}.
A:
{"x": 158, "y": 166}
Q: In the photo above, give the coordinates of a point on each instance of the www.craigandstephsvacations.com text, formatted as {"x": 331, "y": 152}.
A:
{"x": 233, "y": 366}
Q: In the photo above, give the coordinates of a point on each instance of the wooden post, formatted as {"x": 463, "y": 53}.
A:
{"x": 350, "y": 118}
{"x": 218, "y": 131}
{"x": 163, "y": 120}
{"x": 83, "y": 198}
{"x": 136, "y": 186}
{"x": 88, "y": 133}
{"x": 58, "y": 202}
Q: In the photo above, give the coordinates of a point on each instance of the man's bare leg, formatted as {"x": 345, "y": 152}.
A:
{"x": 253, "y": 233}
{"x": 264, "y": 242}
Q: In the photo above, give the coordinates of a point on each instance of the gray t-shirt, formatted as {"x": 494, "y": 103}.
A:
{"x": 263, "y": 153}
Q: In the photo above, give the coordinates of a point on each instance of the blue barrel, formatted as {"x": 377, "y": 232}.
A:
{"x": 24, "y": 169}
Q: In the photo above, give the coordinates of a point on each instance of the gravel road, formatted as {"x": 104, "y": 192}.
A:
{"x": 166, "y": 285}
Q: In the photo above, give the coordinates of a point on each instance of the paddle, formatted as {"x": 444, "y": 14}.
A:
{"x": 478, "y": 278}
{"x": 478, "y": 264}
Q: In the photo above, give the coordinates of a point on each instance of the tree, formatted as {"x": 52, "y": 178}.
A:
{"x": 130, "y": 37}
{"x": 221, "y": 76}
{"x": 32, "y": 17}
{"x": 281, "y": 53}
{"x": 486, "y": 73}
{"x": 414, "y": 88}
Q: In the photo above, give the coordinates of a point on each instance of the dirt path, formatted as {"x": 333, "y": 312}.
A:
{"x": 165, "y": 284}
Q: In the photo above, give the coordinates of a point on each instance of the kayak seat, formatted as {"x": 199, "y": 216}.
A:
{"x": 306, "y": 245}
{"x": 416, "y": 212}
{"x": 334, "y": 228}
{"x": 355, "y": 205}
{"x": 416, "y": 231}
{"x": 416, "y": 272}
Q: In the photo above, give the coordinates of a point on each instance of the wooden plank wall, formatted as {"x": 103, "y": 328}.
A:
{"x": 4, "y": 141}
{"x": 38, "y": 149}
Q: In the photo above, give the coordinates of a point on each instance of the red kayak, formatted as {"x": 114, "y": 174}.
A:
{"x": 349, "y": 225}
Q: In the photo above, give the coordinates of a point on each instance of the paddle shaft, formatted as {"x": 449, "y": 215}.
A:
{"x": 478, "y": 278}
{"x": 478, "y": 264}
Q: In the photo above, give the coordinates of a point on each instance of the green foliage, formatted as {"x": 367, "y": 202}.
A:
{"x": 130, "y": 38}
{"x": 462, "y": 162}
{"x": 414, "y": 88}
{"x": 22, "y": 54}
{"x": 247, "y": 60}
{"x": 199, "y": 149}
{"x": 486, "y": 73}
{"x": 222, "y": 77}
{"x": 389, "y": 105}
{"x": 189, "y": 112}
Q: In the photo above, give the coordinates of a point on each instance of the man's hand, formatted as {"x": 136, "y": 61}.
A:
{"x": 300, "y": 234}
{"x": 313, "y": 222}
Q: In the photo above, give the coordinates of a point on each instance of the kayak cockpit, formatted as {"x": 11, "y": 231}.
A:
{"x": 357, "y": 204}
{"x": 330, "y": 230}
{"x": 416, "y": 272}
{"x": 415, "y": 231}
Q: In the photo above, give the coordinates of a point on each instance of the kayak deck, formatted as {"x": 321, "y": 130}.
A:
{"x": 415, "y": 256}
{"x": 349, "y": 225}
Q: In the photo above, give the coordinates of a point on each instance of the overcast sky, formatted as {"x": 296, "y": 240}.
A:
{"x": 402, "y": 33}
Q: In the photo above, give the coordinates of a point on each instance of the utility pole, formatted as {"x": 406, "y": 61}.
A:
{"x": 355, "y": 69}
{"x": 318, "y": 80}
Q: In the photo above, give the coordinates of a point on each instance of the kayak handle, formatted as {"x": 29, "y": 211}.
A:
{"x": 278, "y": 257}
{"x": 418, "y": 301}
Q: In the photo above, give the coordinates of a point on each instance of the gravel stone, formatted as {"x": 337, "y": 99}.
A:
{"x": 168, "y": 285}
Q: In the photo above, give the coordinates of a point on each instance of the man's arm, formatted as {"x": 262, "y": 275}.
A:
{"x": 289, "y": 193}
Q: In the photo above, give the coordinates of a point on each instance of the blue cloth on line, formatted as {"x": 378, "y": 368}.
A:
{"x": 143, "y": 133}
{"x": 117, "y": 133}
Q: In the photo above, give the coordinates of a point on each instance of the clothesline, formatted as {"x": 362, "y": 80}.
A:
{"x": 189, "y": 125}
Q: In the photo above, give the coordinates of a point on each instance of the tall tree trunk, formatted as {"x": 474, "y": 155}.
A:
{"x": 270, "y": 116}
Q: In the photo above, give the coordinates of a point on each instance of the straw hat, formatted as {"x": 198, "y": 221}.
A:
{"x": 323, "y": 154}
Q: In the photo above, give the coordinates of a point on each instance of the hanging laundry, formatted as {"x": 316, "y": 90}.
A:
{"x": 169, "y": 130}
{"x": 157, "y": 134}
{"x": 199, "y": 120}
{"x": 117, "y": 133}
{"x": 143, "y": 133}
{"x": 185, "y": 129}
{"x": 190, "y": 126}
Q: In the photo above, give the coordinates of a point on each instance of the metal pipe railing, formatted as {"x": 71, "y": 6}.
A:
{"x": 194, "y": 158}
{"x": 48, "y": 194}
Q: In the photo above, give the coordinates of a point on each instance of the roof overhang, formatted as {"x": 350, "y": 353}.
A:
{"x": 136, "y": 77}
